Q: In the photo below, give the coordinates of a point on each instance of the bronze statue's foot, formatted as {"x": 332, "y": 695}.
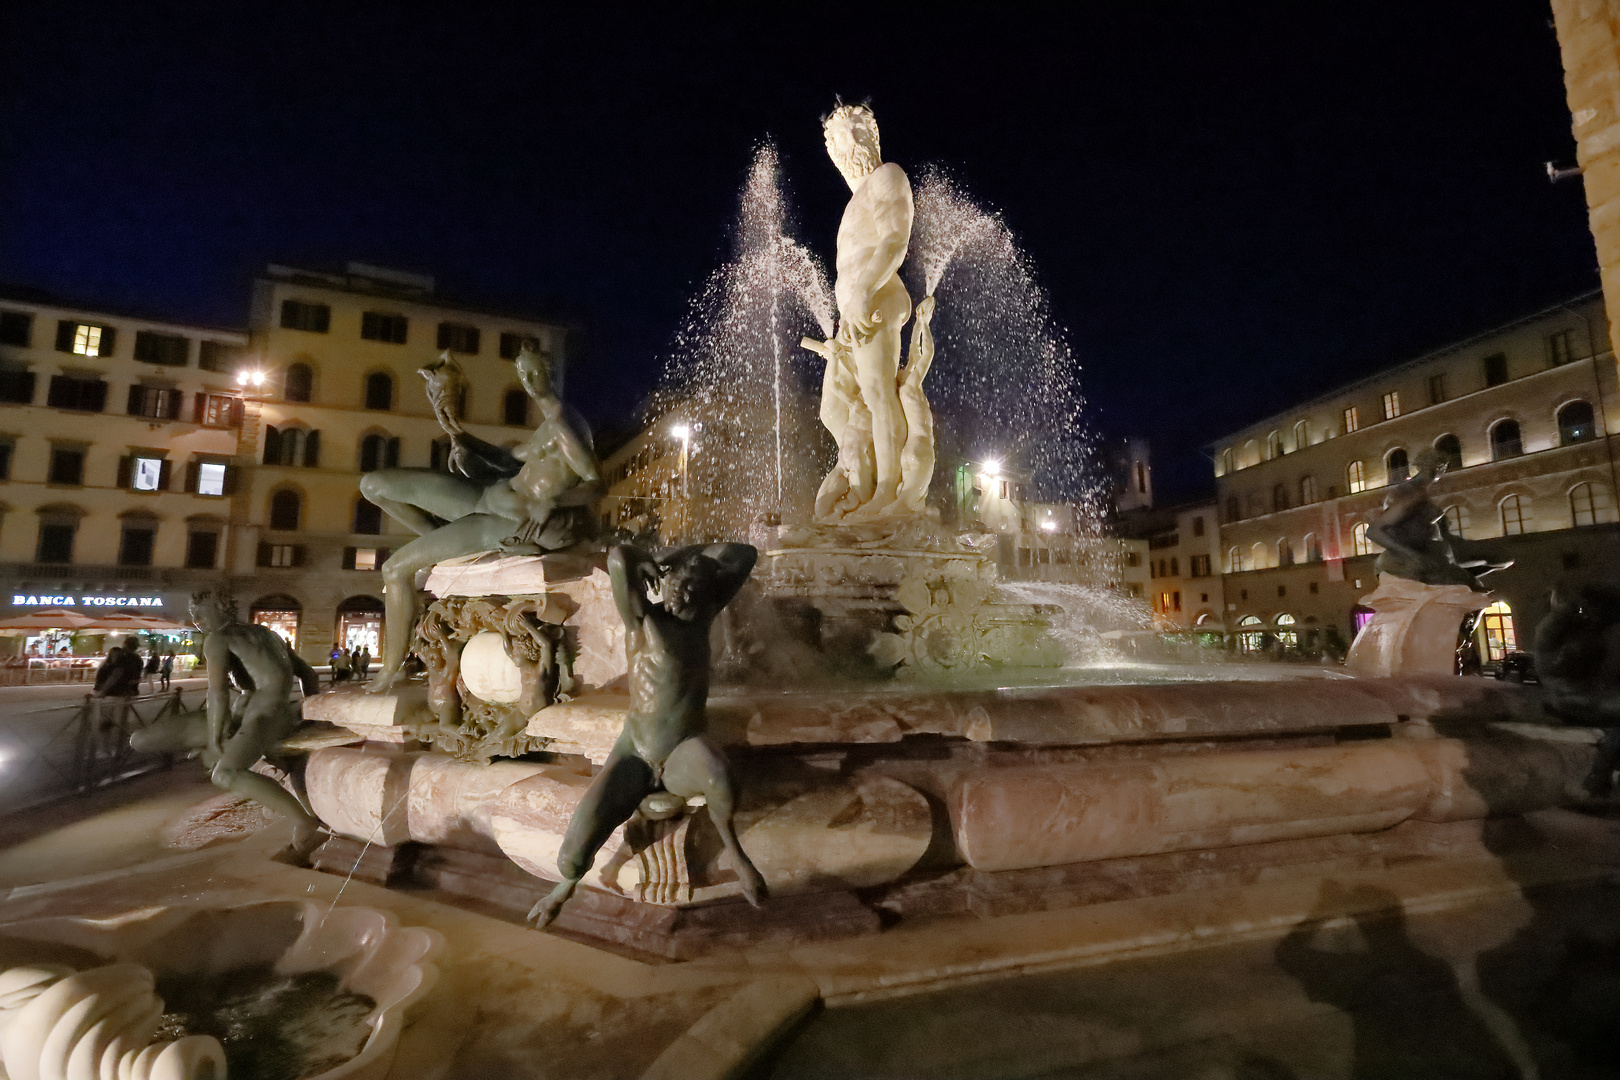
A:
{"x": 543, "y": 912}
{"x": 303, "y": 846}
{"x": 380, "y": 683}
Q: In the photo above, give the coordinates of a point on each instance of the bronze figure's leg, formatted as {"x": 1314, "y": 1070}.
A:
{"x": 478, "y": 532}
{"x": 264, "y": 724}
{"x": 416, "y": 497}
{"x": 613, "y": 796}
{"x": 696, "y": 767}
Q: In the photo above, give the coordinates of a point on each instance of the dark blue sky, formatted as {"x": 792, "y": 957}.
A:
{"x": 1234, "y": 206}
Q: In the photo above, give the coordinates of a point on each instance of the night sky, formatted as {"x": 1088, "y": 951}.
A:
{"x": 1234, "y": 206}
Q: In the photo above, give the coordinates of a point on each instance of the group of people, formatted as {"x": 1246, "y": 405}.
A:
{"x": 347, "y": 663}
{"x": 121, "y": 673}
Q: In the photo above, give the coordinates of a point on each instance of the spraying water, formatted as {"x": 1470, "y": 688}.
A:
{"x": 744, "y": 390}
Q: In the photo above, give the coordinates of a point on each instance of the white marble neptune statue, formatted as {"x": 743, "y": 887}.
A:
{"x": 876, "y": 412}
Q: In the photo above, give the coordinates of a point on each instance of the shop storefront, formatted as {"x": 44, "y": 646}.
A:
{"x": 62, "y": 635}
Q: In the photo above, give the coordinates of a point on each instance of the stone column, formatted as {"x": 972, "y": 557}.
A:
{"x": 1589, "y": 38}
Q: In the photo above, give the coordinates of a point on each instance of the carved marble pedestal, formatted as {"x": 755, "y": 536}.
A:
{"x": 1414, "y": 630}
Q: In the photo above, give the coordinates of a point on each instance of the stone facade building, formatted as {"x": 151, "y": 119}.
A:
{"x": 1524, "y": 413}
{"x": 128, "y": 443}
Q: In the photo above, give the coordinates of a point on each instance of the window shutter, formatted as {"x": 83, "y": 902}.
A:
{"x": 64, "y": 335}
{"x": 236, "y": 413}
{"x": 348, "y": 558}
{"x": 126, "y": 471}
{"x": 264, "y": 554}
{"x": 393, "y": 452}
{"x": 272, "y": 446}
{"x": 298, "y": 555}
{"x": 228, "y": 484}
{"x": 137, "y": 400}
{"x": 109, "y": 341}
{"x": 193, "y": 474}
{"x": 173, "y": 411}
{"x": 164, "y": 472}
{"x": 199, "y": 407}
{"x": 95, "y": 396}
{"x": 312, "y": 450}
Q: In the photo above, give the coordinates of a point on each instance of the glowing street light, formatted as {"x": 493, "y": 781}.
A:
{"x": 683, "y": 432}
{"x": 253, "y": 378}
{"x": 992, "y": 468}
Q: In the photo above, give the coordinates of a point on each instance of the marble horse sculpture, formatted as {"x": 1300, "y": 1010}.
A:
{"x": 532, "y": 499}
{"x": 877, "y": 415}
{"x": 661, "y": 758}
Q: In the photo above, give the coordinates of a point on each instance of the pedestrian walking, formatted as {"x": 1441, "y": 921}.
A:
{"x": 340, "y": 666}
{"x": 120, "y": 674}
{"x": 166, "y": 669}
{"x": 365, "y": 661}
{"x": 150, "y": 670}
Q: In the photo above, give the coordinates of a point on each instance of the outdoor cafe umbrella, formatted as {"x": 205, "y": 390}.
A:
{"x": 48, "y": 619}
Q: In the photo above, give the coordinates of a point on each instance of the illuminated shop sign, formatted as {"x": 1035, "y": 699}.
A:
{"x": 19, "y": 600}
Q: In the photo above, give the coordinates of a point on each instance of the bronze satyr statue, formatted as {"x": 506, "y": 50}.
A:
{"x": 1416, "y": 541}
{"x": 264, "y": 667}
{"x": 668, "y": 605}
{"x": 531, "y": 499}
{"x": 1577, "y": 650}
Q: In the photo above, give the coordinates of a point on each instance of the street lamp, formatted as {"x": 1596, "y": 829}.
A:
{"x": 254, "y": 378}
{"x": 683, "y": 432}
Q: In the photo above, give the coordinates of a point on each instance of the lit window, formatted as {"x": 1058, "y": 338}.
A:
{"x": 1513, "y": 516}
{"x": 1496, "y": 627}
{"x": 87, "y": 340}
{"x": 1456, "y": 519}
{"x": 1352, "y": 419}
{"x": 1307, "y": 490}
{"x": 1392, "y": 405}
{"x": 1358, "y": 539}
{"x": 1301, "y": 436}
{"x": 365, "y": 558}
{"x": 1356, "y": 476}
{"x": 1580, "y": 504}
{"x": 283, "y": 554}
{"x": 148, "y": 474}
{"x": 210, "y": 479}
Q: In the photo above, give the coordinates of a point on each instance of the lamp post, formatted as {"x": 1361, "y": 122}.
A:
{"x": 683, "y": 432}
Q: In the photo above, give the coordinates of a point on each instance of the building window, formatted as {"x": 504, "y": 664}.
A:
{"x": 365, "y": 558}
{"x": 1233, "y": 512}
{"x": 82, "y": 339}
{"x": 1279, "y": 498}
{"x": 147, "y": 473}
{"x": 6, "y": 447}
{"x": 82, "y": 395}
{"x": 1560, "y": 347}
{"x": 1496, "y": 372}
{"x": 1449, "y": 447}
{"x": 1505, "y": 440}
{"x": 298, "y": 315}
{"x": 1575, "y": 424}
{"x": 1392, "y": 405}
{"x": 1307, "y": 490}
{"x": 375, "y": 326}
{"x": 170, "y": 350}
{"x": 1285, "y": 552}
{"x": 218, "y": 410}
{"x": 1234, "y": 561}
{"x": 439, "y": 455}
{"x": 458, "y": 338}
{"x": 1513, "y": 516}
{"x": 1396, "y": 466}
{"x": 379, "y": 391}
{"x": 281, "y": 555}
{"x": 210, "y": 478}
{"x": 217, "y": 356}
{"x": 17, "y": 387}
{"x": 1258, "y": 556}
{"x": 292, "y": 446}
{"x": 286, "y": 507}
{"x": 1198, "y": 566}
{"x": 1437, "y": 389}
{"x": 514, "y": 408}
{"x": 55, "y": 542}
{"x": 1358, "y": 539}
{"x": 1456, "y": 519}
{"x": 299, "y": 384}
{"x": 367, "y": 517}
{"x": 1313, "y": 548}
{"x": 154, "y": 402}
{"x": 1226, "y": 462}
{"x": 1496, "y": 626}
{"x": 1274, "y": 445}
{"x": 67, "y": 465}
{"x": 1301, "y": 436}
{"x": 1352, "y": 419}
{"x": 378, "y": 452}
{"x": 1581, "y": 506}
{"x": 1355, "y": 476}
{"x": 202, "y": 549}
{"x": 512, "y": 344}
{"x": 135, "y": 545}
{"x": 1198, "y": 525}
{"x": 16, "y": 328}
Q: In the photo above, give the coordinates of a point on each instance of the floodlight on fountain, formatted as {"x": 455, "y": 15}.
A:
{"x": 682, "y": 432}
{"x": 992, "y": 469}
{"x": 1049, "y": 525}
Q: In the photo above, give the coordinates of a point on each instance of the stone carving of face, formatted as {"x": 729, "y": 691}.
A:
{"x": 852, "y": 141}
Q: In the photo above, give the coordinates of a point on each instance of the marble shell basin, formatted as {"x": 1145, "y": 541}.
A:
{"x": 369, "y": 952}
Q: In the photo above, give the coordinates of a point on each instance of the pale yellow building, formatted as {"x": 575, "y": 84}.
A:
{"x": 119, "y": 440}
